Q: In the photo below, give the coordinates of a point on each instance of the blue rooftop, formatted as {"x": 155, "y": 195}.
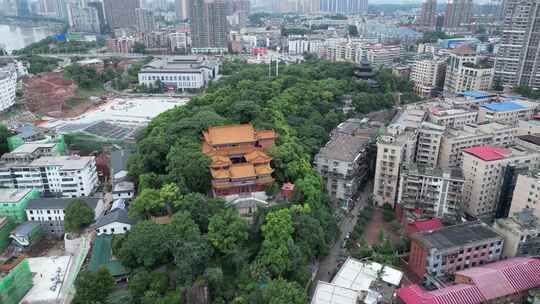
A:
{"x": 476, "y": 94}
{"x": 503, "y": 106}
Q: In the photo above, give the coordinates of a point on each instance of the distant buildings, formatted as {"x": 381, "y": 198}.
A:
{"x": 458, "y": 13}
{"x": 508, "y": 281}
{"x": 182, "y": 9}
{"x": 209, "y": 28}
{"x": 86, "y": 17}
{"x": 344, "y": 6}
{"x": 466, "y": 71}
{"x": 121, "y": 44}
{"x": 145, "y": 20}
{"x": 427, "y": 14}
{"x": 53, "y": 8}
{"x": 450, "y": 249}
{"x": 240, "y": 164}
{"x": 518, "y": 61}
{"x": 121, "y": 13}
{"x": 180, "y": 72}
{"x": 507, "y": 111}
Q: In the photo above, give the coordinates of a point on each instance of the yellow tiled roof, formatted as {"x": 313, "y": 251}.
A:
{"x": 230, "y": 134}
{"x": 242, "y": 170}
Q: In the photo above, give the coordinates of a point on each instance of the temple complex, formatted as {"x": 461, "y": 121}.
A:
{"x": 240, "y": 164}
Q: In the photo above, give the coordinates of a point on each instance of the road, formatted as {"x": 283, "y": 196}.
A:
{"x": 328, "y": 265}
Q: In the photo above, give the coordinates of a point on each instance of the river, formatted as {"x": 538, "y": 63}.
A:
{"x": 17, "y": 36}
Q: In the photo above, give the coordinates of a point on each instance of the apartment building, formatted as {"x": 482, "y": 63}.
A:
{"x": 455, "y": 140}
{"x": 433, "y": 192}
{"x": 452, "y": 118}
{"x": 453, "y": 248}
{"x": 509, "y": 111}
{"x": 517, "y": 61}
{"x": 528, "y": 127}
{"x": 8, "y": 85}
{"x": 527, "y": 193}
{"x": 484, "y": 170}
{"x": 381, "y": 54}
{"x": 391, "y": 152}
{"x": 429, "y": 141}
{"x": 343, "y": 164}
{"x": 39, "y": 166}
{"x": 466, "y": 71}
{"x": 521, "y": 233}
{"x": 49, "y": 212}
{"x": 427, "y": 74}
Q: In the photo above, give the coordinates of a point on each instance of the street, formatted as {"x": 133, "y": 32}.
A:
{"x": 328, "y": 265}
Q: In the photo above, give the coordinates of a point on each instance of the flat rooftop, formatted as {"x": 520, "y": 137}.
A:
{"x": 456, "y": 236}
{"x": 358, "y": 275}
{"x": 327, "y": 293}
{"x": 488, "y": 153}
{"x": 13, "y": 195}
{"x": 503, "y": 106}
{"x": 343, "y": 147}
{"x": 31, "y": 147}
{"x": 49, "y": 276}
{"x": 72, "y": 162}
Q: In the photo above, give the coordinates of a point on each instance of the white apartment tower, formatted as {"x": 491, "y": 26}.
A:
{"x": 428, "y": 74}
{"x": 466, "y": 72}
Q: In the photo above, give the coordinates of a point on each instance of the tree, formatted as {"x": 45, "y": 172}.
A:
{"x": 146, "y": 285}
{"x": 227, "y": 231}
{"x": 187, "y": 164}
{"x": 145, "y": 245}
{"x": 139, "y": 48}
{"x": 190, "y": 257}
{"x": 277, "y": 233}
{"x": 93, "y": 287}
{"x": 183, "y": 226}
{"x": 146, "y": 204}
{"x": 4, "y": 135}
{"x": 280, "y": 291}
{"x": 497, "y": 85}
{"x": 77, "y": 216}
{"x": 200, "y": 208}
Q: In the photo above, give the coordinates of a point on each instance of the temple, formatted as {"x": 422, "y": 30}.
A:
{"x": 240, "y": 164}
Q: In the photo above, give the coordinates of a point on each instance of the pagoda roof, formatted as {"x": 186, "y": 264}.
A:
{"x": 266, "y": 134}
{"x": 257, "y": 157}
{"x": 229, "y": 134}
{"x": 243, "y": 170}
{"x": 263, "y": 169}
{"x": 220, "y": 161}
{"x": 220, "y": 173}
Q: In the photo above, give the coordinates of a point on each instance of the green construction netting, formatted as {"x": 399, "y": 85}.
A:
{"x": 102, "y": 256}
{"x": 5, "y": 231}
{"x": 14, "y": 142}
{"x": 16, "y": 211}
{"x": 16, "y": 283}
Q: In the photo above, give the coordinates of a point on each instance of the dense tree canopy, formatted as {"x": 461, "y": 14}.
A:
{"x": 93, "y": 287}
{"x": 78, "y": 215}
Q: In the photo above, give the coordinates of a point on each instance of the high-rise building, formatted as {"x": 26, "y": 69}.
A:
{"x": 428, "y": 74}
{"x": 145, "y": 20}
{"x": 427, "y": 14}
{"x": 84, "y": 18}
{"x": 182, "y": 8}
{"x": 209, "y": 28}
{"x": 518, "y": 59}
{"x": 458, "y": 13}
{"x": 121, "y": 13}
{"x": 344, "y": 6}
{"x": 98, "y": 7}
{"x": 22, "y": 8}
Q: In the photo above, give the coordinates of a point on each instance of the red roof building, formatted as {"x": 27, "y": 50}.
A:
{"x": 500, "y": 282}
{"x": 422, "y": 225}
{"x": 488, "y": 153}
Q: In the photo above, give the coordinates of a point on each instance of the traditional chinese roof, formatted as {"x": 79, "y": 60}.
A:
{"x": 220, "y": 173}
{"x": 230, "y": 134}
{"x": 263, "y": 169}
{"x": 257, "y": 157}
{"x": 220, "y": 161}
{"x": 266, "y": 134}
{"x": 244, "y": 170}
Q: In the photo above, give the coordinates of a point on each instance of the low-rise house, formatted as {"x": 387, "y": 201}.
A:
{"x": 49, "y": 213}
{"x": 453, "y": 248}
{"x": 122, "y": 187}
{"x": 248, "y": 206}
{"x": 114, "y": 222}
